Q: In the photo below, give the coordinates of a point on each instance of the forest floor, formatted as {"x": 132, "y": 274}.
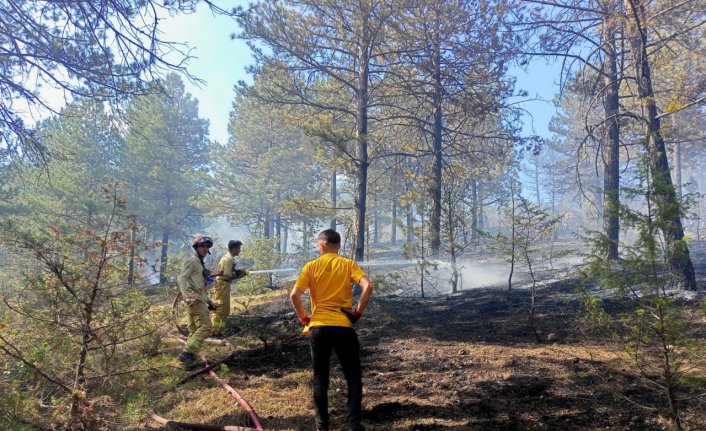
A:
{"x": 467, "y": 361}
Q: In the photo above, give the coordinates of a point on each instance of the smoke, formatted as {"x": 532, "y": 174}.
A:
{"x": 473, "y": 273}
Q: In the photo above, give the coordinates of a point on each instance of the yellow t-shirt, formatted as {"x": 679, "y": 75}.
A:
{"x": 329, "y": 279}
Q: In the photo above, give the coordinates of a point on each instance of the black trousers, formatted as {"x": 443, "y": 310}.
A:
{"x": 344, "y": 341}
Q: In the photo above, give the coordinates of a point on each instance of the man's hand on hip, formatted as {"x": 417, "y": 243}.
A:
{"x": 352, "y": 314}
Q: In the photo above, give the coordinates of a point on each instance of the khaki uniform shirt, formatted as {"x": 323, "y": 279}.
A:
{"x": 191, "y": 281}
{"x": 226, "y": 266}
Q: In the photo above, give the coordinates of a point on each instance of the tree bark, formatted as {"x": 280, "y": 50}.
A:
{"x": 376, "y": 225}
{"x": 537, "y": 192}
{"x": 278, "y": 231}
{"x": 611, "y": 146}
{"x": 435, "y": 233}
{"x": 481, "y": 216}
{"x": 668, "y": 208}
{"x": 513, "y": 238}
{"x": 362, "y": 143}
{"x": 677, "y": 169}
{"x": 133, "y": 238}
{"x": 452, "y": 246}
{"x": 285, "y": 238}
{"x": 393, "y": 227}
{"x": 86, "y": 338}
{"x": 164, "y": 256}
{"x": 410, "y": 225}
{"x": 267, "y": 232}
{"x": 474, "y": 209}
{"x": 333, "y": 199}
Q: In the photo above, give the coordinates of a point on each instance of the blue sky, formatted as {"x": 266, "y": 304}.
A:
{"x": 221, "y": 62}
{"x": 541, "y": 80}
{"x": 218, "y": 60}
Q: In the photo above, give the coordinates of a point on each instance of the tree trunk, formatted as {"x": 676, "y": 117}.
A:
{"x": 362, "y": 144}
{"x": 376, "y": 230}
{"x": 452, "y": 246}
{"x": 537, "y": 192}
{"x": 668, "y": 209}
{"x": 513, "y": 239}
{"x": 410, "y": 225}
{"x": 611, "y": 146}
{"x": 481, "y": 216}
{"x": 474, "y": 209}
{"x": 393, "y": 227}
{"x": 86, "y": 338}
{"x": 435, "y": 234}
{"x": 278, "y": 231}
{"x": 333, "y": 199}
{"x": 267, "y": 233}
{"x": 79, "y": 397}
{"x": 285, "y": 238}
{"x": 677, "y": 169}
{"x": 555, "y": 234}
{"x": 163, "y": 256}
{"x": 133, "y": 238}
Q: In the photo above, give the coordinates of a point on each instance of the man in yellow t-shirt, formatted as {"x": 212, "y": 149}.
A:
{"x": 328, "y": 280}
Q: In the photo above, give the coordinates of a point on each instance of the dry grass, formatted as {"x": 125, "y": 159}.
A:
{"x": 464, "y": 363}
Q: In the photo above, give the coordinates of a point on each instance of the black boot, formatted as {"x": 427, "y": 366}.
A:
{"x": 189, "y": 360}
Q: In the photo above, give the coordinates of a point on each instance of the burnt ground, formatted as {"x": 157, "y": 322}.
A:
{"x": 471, "y": 362}
{"x": 468, "y": 361}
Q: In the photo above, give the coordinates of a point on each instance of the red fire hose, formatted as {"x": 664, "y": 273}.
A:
{"x": 251, "y": 412}
{"x": 253, "y": 416}
{"x": 205, "y": 427}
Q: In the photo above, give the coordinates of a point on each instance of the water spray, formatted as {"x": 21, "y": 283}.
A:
{"x": 272, "y": 271}
{"x": 400, "y": 263}
{"x": 365, "y": 264}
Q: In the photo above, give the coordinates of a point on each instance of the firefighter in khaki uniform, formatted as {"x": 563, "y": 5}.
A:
{"x": 221, "y": 296}
{"x": 192, "y": 285}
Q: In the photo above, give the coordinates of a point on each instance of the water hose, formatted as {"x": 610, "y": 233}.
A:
{"x": 204, "y": 427}
{"x": 207, "y": 369}
{"x": 251, "y": 412}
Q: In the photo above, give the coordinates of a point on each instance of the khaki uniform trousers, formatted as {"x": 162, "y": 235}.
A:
{"x": 221, "y": 298}
{"x": 199, "y": 325}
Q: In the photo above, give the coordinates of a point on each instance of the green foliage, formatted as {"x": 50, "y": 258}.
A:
{"x": 71, "y": 315}
{"x": 263, "y": 252}
{"x": 223, "y": 371}
{"x": 265, "y": 174}
{"x": 136, "y": 405}
{"x": 103, "y": 53}
{"x": 165, "y": 163}
{"x": 528, "y": 226}
{"x": 660, "y": 337}
{"x": 386, "y": 283}
{"x": 17, "y": 402}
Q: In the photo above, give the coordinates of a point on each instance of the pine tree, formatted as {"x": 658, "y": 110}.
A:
{"x": 165, "y": 162}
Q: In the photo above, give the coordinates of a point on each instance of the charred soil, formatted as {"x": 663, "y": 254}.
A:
{"x": 467, "y": 361}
